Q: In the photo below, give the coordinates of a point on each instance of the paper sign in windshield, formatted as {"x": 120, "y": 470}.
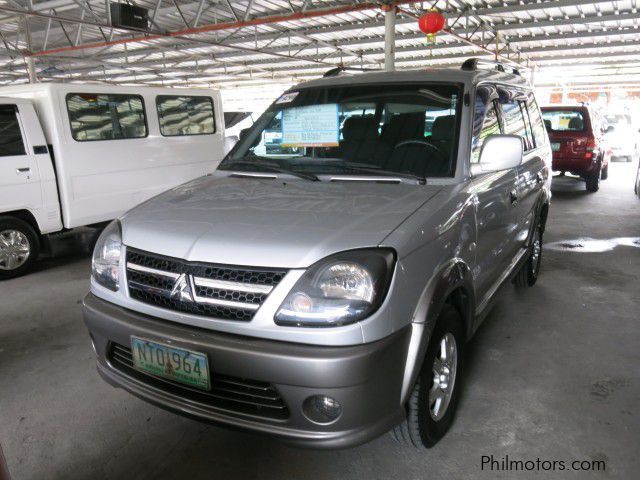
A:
{"x": 311, "y": 126}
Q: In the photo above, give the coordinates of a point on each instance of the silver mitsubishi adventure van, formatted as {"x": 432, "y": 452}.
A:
{"x": 321, "y": 284}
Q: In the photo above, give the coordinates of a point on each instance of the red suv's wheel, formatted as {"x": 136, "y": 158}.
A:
{"x": 593, "y": 181}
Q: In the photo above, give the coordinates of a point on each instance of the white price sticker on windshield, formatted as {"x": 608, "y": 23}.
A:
{"x": 311, "y": 126}
{"x": 287, "y": 97}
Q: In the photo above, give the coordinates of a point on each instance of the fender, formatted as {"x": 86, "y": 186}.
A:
{"x": 452, "y": 275}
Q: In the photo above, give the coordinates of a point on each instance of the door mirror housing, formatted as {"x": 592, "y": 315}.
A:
{"x": 499, "y": 152}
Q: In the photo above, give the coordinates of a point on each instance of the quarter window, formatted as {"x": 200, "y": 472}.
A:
{"x": 185, "y": 115}
{"x": 10, "y": 135}
{"x": 106, "y": 116}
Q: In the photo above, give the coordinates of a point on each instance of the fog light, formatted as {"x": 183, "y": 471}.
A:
{"x": 321, "y": 409}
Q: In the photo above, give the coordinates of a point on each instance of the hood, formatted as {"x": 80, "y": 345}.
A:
{"x": 269, "y": 222}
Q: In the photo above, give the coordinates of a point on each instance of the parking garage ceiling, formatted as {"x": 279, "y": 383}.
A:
{"x": 256, "y": 42}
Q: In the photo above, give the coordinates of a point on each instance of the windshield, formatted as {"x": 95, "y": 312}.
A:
{"x": 381, "y": 130}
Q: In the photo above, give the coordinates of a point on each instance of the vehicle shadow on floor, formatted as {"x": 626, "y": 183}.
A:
{"x": 66, "y": 248}
{"x": 568, "y": 187}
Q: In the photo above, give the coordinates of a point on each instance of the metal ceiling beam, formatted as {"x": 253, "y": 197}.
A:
{"x": 314, "y": 70}
{"x": 211, "y": 61}
{"x": 401, "y": 37}
{"x": 266, "y": 20}
{"x": 530, "y": 6}
{"x": 221, "y": 56}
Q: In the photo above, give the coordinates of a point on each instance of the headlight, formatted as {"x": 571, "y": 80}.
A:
{"x": 339, "y": 289}
{"x": 106, "y": 256}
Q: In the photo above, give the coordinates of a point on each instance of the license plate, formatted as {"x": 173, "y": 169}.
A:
{"x": 555, "y": 146}
{"x": 172, "y": 363}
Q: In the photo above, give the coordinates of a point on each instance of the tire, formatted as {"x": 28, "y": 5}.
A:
{"x": 604, "y": 174}
{"x": 421, "y": 428}
{"x": 593, "y": 181}
{"x": 527, "y": 276}
{"x": 19, "y": 247}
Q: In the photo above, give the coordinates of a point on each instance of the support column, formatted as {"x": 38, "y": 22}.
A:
{"x": 31, "y": 70}
{"x": 389, "y": 37}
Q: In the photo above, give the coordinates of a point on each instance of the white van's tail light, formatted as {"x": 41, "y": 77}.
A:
{"x": 340, "y": 289}
{"x": 106, "y": 257}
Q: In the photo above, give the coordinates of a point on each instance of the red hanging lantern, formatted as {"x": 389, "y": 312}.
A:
{"x": 431, "y": 23}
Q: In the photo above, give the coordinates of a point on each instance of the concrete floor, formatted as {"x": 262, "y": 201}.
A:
{"x": 552, "y": 374}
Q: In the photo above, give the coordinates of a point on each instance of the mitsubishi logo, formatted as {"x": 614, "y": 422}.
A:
{"x": 182, "y": 289}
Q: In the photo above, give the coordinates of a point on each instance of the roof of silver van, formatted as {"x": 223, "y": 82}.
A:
{"x": 469, "y": 77}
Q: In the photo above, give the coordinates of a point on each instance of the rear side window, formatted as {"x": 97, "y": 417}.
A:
{"x": 185, "y": 115}
{"x": 537, "y": 124}
{"x": 515, "y": 117}
{"x": 564, "y": 120}
{"x": 10, "y": 135}
{"x": 106, "y": 116}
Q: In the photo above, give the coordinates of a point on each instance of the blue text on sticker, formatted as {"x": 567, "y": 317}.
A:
{"x": 287, "y": 97}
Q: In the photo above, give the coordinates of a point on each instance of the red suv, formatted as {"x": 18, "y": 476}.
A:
{"x": 576, "y": 143}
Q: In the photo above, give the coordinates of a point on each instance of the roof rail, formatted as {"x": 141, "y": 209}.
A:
{"x": 473, "y": 64}
{"x": 338, "y": 70}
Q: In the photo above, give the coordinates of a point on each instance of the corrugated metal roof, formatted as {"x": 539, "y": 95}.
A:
{"x": 534, "y": 33}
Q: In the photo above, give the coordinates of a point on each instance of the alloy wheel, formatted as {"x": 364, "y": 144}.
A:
{"x": 536, "y": 252}
{"x": 445, "y": 365}
{"x": 15, "y": 249}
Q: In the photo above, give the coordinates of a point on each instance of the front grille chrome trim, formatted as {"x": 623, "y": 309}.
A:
{"x": 151, "y": 271}
{"x": 236, "y": 286}
{"x": 226, "y": 303}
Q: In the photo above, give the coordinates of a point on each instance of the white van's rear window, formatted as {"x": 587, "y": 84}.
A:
{"x": 185, "y": 115}
{"x": 106, "y": 116}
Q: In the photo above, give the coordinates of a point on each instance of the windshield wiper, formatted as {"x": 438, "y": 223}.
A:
{"x": 365, "y": 167}
{"x": 272, "y": 168}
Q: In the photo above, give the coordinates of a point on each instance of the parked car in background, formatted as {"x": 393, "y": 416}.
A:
{"x": 621, "y": 137}
{"x": 577, "y": 144}
{"x": 75, "y": 155}
{"x": 233, "y": 125}
{"x": 322, "y": 290}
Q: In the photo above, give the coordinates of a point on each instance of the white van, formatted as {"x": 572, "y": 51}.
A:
{"x": 75, "y": 155}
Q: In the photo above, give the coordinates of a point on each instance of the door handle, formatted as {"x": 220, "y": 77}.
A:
{"x": 539, "y": 177}
{"x": 23, "y": 170}
{"x": 513, "y": 197}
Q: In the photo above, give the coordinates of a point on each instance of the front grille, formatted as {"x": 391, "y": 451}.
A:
{"x": 219, "y": 291}
{"x": 232, "y": 394}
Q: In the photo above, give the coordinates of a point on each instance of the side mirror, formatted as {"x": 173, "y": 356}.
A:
{"x": 499, "y": 152}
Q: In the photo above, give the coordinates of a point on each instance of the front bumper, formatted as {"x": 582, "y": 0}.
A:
{"x": 366, "y": 379}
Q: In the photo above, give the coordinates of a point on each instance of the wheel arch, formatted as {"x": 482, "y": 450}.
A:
{"x": 544, "y": 213}
{"x": 452, "y": 285}
{"x": 25, "y": 216}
